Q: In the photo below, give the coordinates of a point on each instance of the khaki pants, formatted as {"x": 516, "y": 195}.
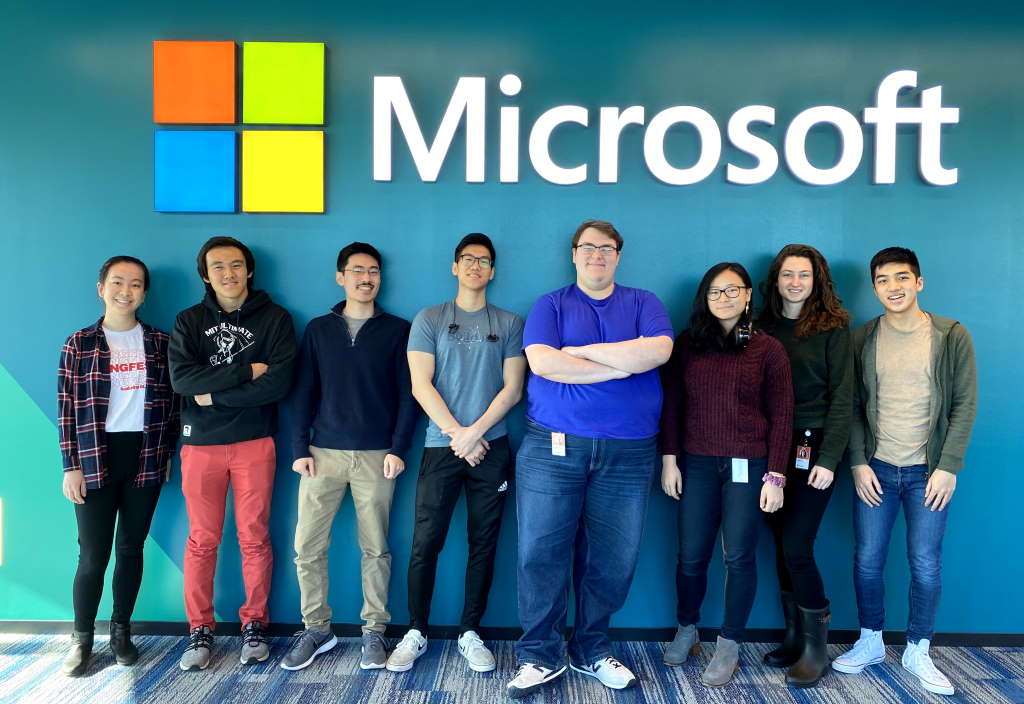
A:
{"x": 319, "y": 499}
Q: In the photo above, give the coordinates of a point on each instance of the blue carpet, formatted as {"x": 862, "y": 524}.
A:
{"x": 30, "y": 673}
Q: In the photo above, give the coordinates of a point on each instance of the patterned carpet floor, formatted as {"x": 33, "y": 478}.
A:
{"x": 30, "y": 673}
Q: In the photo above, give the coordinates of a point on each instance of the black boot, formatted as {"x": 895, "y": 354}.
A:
{"x": 77, "y": 660}
{"x": 813, "y": 662}
{"x": 121, "y": 644}
{"x": 789, "y": 651}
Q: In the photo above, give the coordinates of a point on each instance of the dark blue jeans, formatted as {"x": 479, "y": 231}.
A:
{"x": 580, "y": 515}
{"x": 872, "y": 529}
{"x": 711, "y": 498}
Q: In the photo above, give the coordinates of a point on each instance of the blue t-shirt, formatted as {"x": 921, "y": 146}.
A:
{"x": 623, "y": 409}
{"x": 468, "y": 368}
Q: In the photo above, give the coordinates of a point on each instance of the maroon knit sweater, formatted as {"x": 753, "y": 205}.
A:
{"x": 729, "y": 404}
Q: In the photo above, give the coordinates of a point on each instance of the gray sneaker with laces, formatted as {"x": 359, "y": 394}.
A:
{"x": 308, "y": 644}
{"x": 374, "y": 652}
{"x": 197, "y": 652}
{"x": 255, "y": 644}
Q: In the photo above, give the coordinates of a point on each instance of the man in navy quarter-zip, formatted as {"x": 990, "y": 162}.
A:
{"x": 352, "y": 391}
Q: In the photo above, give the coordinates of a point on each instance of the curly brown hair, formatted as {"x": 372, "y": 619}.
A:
{"x": 822, "y": 311}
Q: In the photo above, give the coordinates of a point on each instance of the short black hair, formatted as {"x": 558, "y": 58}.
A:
{"x": 475, "y": 238}
{"x": 221, "y": 241}
{"x": 125, "y": 259}
{"x": 357, "y": 248}
{"x": 895, "y": 255}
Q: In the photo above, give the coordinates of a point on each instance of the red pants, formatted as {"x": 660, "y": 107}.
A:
{"x": 206, "y": 471}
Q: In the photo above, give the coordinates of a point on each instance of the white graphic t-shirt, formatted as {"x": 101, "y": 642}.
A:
{"x": 126, "y": 409}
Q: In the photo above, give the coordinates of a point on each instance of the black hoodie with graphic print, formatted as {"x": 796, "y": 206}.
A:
{"x": 211, "y": 352}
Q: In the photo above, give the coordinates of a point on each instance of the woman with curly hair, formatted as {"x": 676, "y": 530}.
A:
{"x": 803, "y": 312}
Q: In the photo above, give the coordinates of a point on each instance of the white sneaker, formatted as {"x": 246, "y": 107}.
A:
{"x": 868, "y": 650}
{"x": 476, "y": 653}
{"x": 412, "y": 645}
{"x": 609, "y": 672}
{"x": 530, "y": 677}
{"x": 917, "y": 661}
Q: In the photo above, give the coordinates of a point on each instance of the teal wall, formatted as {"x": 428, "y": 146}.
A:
{"x": 76, "y": 186}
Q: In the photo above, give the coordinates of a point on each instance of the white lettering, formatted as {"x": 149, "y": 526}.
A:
{"x": 654, "y": 145}
{"x": 612, "y": 123}
{"x": 851, "y": 147}
{"x": 510, "y": 85}
{"x": 540, "y": 137}
{"x": 468, "y": 98}
{"x": 760, "y": 149}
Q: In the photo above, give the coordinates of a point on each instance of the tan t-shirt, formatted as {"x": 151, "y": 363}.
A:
{"x": 904, "y": 369}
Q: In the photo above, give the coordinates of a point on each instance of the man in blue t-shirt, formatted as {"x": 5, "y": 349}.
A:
{"x": 584, "y": 468}
{"x": 466, "y": 364}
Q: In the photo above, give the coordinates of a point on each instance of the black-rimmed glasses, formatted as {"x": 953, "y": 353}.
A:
{"x": 730, "y": 292}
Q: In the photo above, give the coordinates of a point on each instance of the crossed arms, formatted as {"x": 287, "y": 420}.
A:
{"x": 598, "y": 362}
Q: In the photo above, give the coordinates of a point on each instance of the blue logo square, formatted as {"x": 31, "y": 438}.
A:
{"x": 194, "y": 171}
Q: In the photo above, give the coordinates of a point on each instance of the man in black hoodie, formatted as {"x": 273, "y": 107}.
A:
{"x": 352, "y": 391}
{"x": 231, "y": 359}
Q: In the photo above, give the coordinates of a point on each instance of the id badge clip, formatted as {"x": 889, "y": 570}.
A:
{"x": 558, "y": 444}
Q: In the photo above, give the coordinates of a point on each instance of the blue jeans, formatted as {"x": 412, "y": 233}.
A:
{"x": 872, "y": 529}
{"x": 711, "y": 498}
{"x": 582, "y": 514}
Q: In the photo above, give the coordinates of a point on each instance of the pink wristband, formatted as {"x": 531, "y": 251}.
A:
{"x": 770, "y": 478}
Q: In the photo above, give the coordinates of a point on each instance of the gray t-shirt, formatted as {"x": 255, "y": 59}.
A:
{"x": 354, "y": 325}
{"x": 467, "y": 366}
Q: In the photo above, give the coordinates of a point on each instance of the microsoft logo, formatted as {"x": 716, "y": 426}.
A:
{"x": 199, "y": 170}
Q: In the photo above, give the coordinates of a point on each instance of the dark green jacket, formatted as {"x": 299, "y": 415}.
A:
{"x": 954, "y": 395}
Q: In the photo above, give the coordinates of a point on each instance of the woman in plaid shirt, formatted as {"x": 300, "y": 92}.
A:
{"x": 118, "y": 423}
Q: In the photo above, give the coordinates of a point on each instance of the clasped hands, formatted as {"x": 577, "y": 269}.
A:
{"x": 467, "y": 442}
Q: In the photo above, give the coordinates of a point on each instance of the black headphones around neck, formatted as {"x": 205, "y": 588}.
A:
{"x": 454, "y": 326}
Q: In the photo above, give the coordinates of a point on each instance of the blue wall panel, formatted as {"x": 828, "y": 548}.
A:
{"x": 76, "y": 169}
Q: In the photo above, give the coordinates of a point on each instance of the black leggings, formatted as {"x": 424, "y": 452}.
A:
{"x": 795, "y": 526}
{"x": 133, "y": 510}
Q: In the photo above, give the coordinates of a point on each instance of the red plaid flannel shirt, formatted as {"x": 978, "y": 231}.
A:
{"x": 83, "y": 393}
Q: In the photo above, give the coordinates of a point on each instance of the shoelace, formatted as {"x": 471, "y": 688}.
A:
{"x": 923, "y": 661}
{"x": 610, "y": 662}
{"x": 254, "y": 634}
{"x": 200, "y": 638}
{"x": 377, "y": 638}
{"x": 471, "y": 641}
{"x": 409, "y": 643}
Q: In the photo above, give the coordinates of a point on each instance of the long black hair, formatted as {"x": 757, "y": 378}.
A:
{"x": 706, "y": 333}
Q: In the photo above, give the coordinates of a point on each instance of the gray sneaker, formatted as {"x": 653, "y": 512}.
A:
{"x": 374, "y": 652}
{"x": 255, "y": 644}
{"x": 197, "y": 653}
{"x": 307, "y": 646}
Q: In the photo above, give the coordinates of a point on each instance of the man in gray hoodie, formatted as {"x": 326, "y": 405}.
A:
{"x": 915, "y": 398}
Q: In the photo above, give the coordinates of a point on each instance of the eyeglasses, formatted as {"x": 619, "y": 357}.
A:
{"x": 730, "y": 292}
{"x": 360, "y": 270}
{"x": 588, "y": 249}
{"x": 469, "y": 260}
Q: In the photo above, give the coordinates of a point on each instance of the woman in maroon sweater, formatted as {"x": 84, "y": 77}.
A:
{"x": 726, "y": 424}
